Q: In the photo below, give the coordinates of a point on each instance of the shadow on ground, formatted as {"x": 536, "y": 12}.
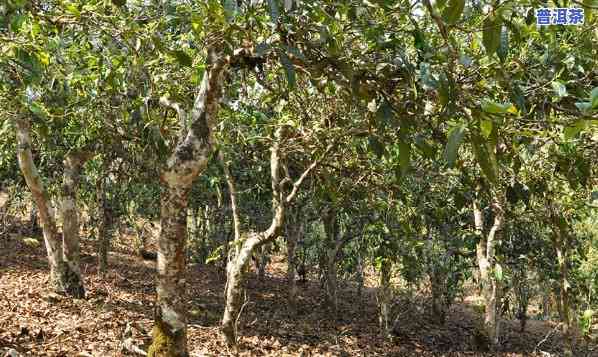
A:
{"x": 36, "y": 323}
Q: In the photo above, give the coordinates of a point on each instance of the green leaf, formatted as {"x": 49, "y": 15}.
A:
{"x": 503, "y": 48}
{"x": 31, "y": 242}
{"x": 594, "y": 98}
{"x": 452, "y": 12}
{"x": 404, "y": 155}
{"x": 571, "y": 131}
{"x": 289, "y": 69}
{"x": 119, "y": 2}
{"x": 384, "y": 115}
{"x": 455, "y": 136}
{"x": 183, "y": 58}
{"x": 6, "y": 127}
{"x": 498, "y": 272}
{"x": 274, "y": 11}
{"x": 376, "y": 146}
{"x": 230, "y": 9}
{"x": 38, "y": 109}
{"x": 17, "y": 22}
{"x": 559, "y": 89}
{"x": 426, "y": 148}
{"x": 491, "y": 34}
{"x": 443, "y": 91}
{"x": 584, "y": 107}
{"x": 497, "y": 108}
{"x": 486, "y": 127}
{"x": 484, "y": 157}
{"x": 73, "y": 10}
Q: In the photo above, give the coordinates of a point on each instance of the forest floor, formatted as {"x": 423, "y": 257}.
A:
{"x": 37, "y": 323}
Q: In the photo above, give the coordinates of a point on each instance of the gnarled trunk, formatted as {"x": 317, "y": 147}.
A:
{"x": 189, "y": 159}
{"x": 61, "y": 276}
{"x": 70, "y": 225}
{"x": 245, "y": 246}
{"x": 235, "y": 287}
{"x": 237, "y": 264}
{"x": 485, "y": 251}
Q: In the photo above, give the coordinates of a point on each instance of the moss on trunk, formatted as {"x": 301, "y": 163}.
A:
{"x": 165, "y": 343}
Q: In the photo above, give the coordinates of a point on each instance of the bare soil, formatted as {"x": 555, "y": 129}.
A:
{"x": 37, "y": 323}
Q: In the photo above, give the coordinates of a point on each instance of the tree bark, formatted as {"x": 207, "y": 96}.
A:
{"x": 59, "y": 277}
{"x": 262, "y": 262}
{"x": 246, "y": 244}
{"x": 332, "y": 236}
{"x": 188, "y": 160}
{"x": 360, "y": 278}
{"x": 104, "y": 224}
{"x": 70, "y": 224}
{"x": 234, "y": 287}
{"x": 292, "y": 238}
{"x": 385, "y": 297}
{"x": 241, "y": 256}
{"x": 485, "y": 251}
{"x": 294, "y": 230}
{"x": 561, "y": 245}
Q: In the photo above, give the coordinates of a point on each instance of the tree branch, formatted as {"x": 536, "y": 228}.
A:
{"x": 299, "y": 181}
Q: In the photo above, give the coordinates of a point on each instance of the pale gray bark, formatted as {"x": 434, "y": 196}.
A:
{"x": 245, "y": 246}
{"x": 189, "y": 159}
{"x": 63, "y": 255}
{"x": 40, "y": 196}
{"x": 485, "y": 251}
{"x": 294, "y": 230}
{"x": 70, "y": 223}
{"x": 385, "y": 298}
{"x": 247, "y": 243}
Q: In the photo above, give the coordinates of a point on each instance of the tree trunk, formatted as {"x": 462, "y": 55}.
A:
{"x": 332, "y": 243}
{"x": 561, "y": 245}
{"x": 360, "y": 278}
{"x": 235, "y": 287}
{"x": 485, "y": 251}
{"x": 385, "y": 297}
{"x": 33, "y": 221}
{"x": 245, "y": 248}
{"x": 438, "y": 286}
{"x": 295, "y": 229}
{"x": 546, "y": 304}
{"x": 188, "y": 160}
{"x": 58, "y": 277}
{"x": 292, "y": 263}
{"x": 104, "y": 224}
{"x": 242, "y": 255}
{"x": 70, "y": 225}
{"x": 262, "y": 262}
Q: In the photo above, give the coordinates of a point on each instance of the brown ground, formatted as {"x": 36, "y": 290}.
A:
{"x": 36, "y": 323}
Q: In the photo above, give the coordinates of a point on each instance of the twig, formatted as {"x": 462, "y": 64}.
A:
{"x": 546, "y": 337}
{"x": 240, "y": 312}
